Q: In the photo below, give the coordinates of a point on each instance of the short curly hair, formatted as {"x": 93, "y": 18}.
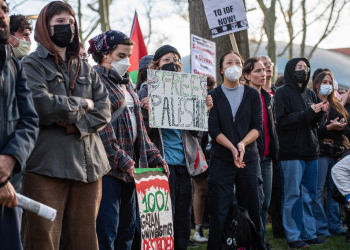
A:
{"x": 19, "y": 23}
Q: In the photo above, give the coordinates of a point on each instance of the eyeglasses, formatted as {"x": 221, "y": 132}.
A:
{"x": 299, "y": 67}
{"x": 269, "y": 63}
{"x": 84, "y": 56}
{"x": 169, "y": 60}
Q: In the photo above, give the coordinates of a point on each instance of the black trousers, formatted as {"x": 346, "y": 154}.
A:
{"x": 275, "y": 209}
{"x": 222, "y": 177}
{"x": 181, "y": 202}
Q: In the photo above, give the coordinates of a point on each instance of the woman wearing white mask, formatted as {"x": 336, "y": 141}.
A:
{"x": 235, "y": 122}
{"x": 331, "y": 134}
{"x": 125, "y": 140}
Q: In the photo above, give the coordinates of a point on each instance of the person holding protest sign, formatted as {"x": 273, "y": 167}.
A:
{"x": 65, "y": 168}
{"x": 255, "y": 73}
{"x": 331, "y": 134}
{"x": 125, "y": 139}
{"x": 235, "y": 122}
{"x": 298, "y": 111}
{"x": 179, "y": 150}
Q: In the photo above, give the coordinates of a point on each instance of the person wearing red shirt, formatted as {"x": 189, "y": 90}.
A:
{"x": 254, "y": 72}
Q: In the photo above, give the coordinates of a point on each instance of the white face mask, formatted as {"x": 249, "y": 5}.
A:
{"x": 233, "y": 73}
{"x": 326, "y": 90}
{"x": 121, "y": 66}
{"x": 23, "y": 48}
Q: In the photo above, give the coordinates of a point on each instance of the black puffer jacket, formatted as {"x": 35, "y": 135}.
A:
{"x": 296, "y": 120}
{"x": 18, "y": 119}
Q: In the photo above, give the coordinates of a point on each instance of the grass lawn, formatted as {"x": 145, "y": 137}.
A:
{"x": 335, "y": 243}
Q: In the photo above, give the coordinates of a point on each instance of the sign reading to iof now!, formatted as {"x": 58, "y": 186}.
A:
{"x": 177, "y": 100}
{"x": 225, "y": 16}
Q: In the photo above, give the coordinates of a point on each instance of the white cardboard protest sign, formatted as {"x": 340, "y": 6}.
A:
{"x": 177, "y": 100}
{"x": 225, "y": 16}
{"x": 203, "y": 56}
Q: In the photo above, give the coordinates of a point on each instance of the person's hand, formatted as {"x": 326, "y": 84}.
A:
{"x": 7, "y": 163}
{"x": 241, "y": 149}
{"x": 317, "y": 107}
{"x": 325, "y": 106}
{"x": 335, "y": 125}
{"x": 145, "y": 103}
{"x": 8, "y": 197}
{"x": 236, "y": 160}
{"x": 209, "y": 102}
{"x": 132, "y": 171}
{"x": 166, "y": 169}
{"x": 62, "y": 124}
{"x": 90, "y": 103}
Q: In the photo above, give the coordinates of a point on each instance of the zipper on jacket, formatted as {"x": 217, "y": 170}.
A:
{"x": 2, "y": 104}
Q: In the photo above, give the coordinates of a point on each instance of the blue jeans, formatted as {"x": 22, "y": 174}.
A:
{"x": 325, "y": 226}
{"x": 116, "y": 218}
{"x": 266, "y": 173}
{"x": 10, "y": 224}
{"x": 299, "y": 183}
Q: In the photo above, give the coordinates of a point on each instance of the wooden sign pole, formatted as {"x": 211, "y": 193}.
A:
{"x": 233, "y": 42}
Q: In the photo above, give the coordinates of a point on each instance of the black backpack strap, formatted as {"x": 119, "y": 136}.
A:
{"x": 13, "y": 67}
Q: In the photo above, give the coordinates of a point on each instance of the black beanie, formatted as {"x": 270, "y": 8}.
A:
{"x": 165, "y": 49}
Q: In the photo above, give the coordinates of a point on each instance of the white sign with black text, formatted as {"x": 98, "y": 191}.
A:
{"x": 177, "y": 100}
{"x": 203, "y": 56}
{"x": 225, "y": 16}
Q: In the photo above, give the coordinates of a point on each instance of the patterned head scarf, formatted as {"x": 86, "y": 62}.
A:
{"x": 106, "y": 42}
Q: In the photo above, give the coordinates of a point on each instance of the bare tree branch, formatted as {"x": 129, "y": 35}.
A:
{"x": 328, "y": 31}
{"x": 260, "y": 40}
{"x": 92, "y": 29}
{"x": 291, "y": 40}
{"x": 91, "y": 6}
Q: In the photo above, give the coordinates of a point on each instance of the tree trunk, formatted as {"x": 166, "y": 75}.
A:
{"x": 79, "y": 21}
{"x": 104, "y": 14}
{"x": 269, "y": 27}
{"x": 302, "y": 45}
{"x": 199, "y": 26}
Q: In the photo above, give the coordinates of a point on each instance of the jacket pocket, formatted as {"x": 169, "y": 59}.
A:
{"x": 12, "y": 117}
{"x": 55, "y": 83}
{"x": 83, "y": 88}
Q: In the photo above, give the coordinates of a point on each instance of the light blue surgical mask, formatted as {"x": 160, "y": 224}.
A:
{"x": 326, "y": 90}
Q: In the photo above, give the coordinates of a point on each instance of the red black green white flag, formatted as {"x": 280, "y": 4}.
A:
{"x": 140, "y": 49}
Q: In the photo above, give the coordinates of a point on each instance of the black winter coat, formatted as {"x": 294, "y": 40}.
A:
{"x": 248, "y": 117}
{"x": 296, "y": 120}
{"x": 273, "y": 144}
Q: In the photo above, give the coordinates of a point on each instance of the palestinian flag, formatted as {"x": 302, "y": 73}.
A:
{"x": 139, "y": 51}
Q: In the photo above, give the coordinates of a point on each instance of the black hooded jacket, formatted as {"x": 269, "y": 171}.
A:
{"x": 296, "y": 120}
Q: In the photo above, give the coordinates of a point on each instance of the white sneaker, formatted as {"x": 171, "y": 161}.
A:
{"x": 199, "y": 236}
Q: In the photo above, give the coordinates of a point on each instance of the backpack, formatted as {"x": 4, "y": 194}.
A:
{"x": 239, "y": 231}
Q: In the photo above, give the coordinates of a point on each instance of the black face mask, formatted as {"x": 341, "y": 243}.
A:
{"x": 171, "y": 67}
{"x": 301, "y": 76}
{"x": 63, "y": 35}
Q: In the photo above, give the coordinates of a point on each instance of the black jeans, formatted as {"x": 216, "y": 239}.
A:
{"x": 222, "y": 177}
{"x": 181, "y": 202}
{"x": 275, "y": 209}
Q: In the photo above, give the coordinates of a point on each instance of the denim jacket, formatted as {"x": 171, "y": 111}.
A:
{"x": 59, "y": 153}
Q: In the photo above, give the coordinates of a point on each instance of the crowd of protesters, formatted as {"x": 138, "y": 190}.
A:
{"x": 72, "y": 136}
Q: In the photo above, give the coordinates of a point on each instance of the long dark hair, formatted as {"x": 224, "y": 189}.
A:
{"x": 141, "y": 78}
{"x": 333, "y": 101}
